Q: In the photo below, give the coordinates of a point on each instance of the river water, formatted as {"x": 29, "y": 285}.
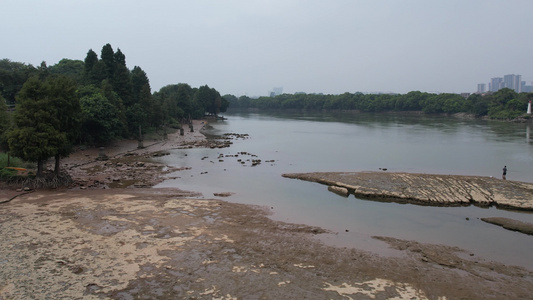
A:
{"x": 311, "y": 142}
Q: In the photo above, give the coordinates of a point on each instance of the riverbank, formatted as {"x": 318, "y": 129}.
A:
{"x": 99, "y": 241}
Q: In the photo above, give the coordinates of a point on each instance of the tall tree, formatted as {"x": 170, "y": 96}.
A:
{"x": 65, "y": 107}
{"x": 91, "y": 59}
{"x": 108, "y": 58}
{"x": 121, "y": 82}
{"x": 13, "y": 75}
{"x": 100, "y": 120}
{"x": 36, "y": 135}
{"x": 120, "y": 58}
{"x": 4, "y": 122}
{"x": 73, "y": 69}
{"x": 139, "y": 81}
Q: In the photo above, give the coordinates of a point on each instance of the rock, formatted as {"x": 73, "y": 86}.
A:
{"x": 429, "y": 189}
{"x": 510, "y": 224}
{"x": 161, "y": 153}
{"x": 223, "y": 194}
{"x": 338, "y": 190}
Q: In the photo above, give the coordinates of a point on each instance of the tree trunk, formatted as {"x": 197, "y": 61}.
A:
{"x": 56, "y": 169}
{"x": 40, "y": 164}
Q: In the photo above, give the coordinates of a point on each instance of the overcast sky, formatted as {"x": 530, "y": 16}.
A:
{"x": 249, "y": 47}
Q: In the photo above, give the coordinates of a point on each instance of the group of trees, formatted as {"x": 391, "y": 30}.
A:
{"x": 503, "y": 104}
{"x": 94, "y": 102}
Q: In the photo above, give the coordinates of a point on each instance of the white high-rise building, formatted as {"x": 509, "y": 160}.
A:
{"x": 495, "y": 84}
{"x": 513, "y": 82}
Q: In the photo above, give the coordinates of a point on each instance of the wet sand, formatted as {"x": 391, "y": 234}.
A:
{"x": 98, "y": 241}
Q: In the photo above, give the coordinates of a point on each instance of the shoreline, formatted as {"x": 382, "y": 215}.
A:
{"x": 110, "y": 236}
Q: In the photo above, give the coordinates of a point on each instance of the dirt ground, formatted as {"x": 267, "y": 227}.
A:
{"x": 98, "y": 241}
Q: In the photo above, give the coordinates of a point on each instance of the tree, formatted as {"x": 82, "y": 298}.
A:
{"x": 5, "y": 122}
{"x": 13, "y": 75}
{"x": 108, "y": 58}
{"x": 120, "y": 58}
{"x": 139, "y": 81}
{"x": 65, "y": 107}
{"x": 36, "y": 135}
{"x": 73, "y": 69}
{"x": 100, "y": 120}
{"x": 121, "y": 82}
{"x": 90, "y": 61}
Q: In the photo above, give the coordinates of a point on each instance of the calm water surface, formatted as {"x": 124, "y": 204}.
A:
{"x": 298, "y": 142}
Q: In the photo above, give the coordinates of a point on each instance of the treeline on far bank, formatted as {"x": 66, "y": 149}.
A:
{"x": 504, "y": 104}
{"x": 46, "y": 110}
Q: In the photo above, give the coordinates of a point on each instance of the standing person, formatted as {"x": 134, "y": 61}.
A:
{"x": 504, "y": 172}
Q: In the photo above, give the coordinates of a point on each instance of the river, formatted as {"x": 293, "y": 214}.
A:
{"x": 294, "y": 142}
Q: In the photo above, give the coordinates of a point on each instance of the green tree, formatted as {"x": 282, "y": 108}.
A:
{"x": 121, "y": 83}
{"x": 5, "y": 122}
{"x": 119, "y": 58}
{"x": 107, "y": 56}
{"x": 13, "y": 75}
{"x": 73, "y": 69}
{"x": 498, "y": 104}
{"x": 90, "y": 61}
{"x": 478, "y": 105}
{"x": 36, "y": 135}
{"x": 65, "y": 107}
{"x": 100, "y": 120}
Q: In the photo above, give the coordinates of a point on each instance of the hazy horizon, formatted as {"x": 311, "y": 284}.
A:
{"x": 250, "y": 47}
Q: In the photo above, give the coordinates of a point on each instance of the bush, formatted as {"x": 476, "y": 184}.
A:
{"x": 7, "y": 174}
{"x": 13, "y": 161}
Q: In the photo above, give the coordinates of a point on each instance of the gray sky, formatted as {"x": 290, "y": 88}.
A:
{"x": 249, "y": 47}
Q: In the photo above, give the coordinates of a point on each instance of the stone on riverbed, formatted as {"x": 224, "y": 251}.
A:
{"x": 339, "y": 190}
{"x": 511, "y": 224}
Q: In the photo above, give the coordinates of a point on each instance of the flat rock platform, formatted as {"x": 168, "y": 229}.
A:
{"x": 427, "y": 189}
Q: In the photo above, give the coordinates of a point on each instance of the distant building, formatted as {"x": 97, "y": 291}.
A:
{"x": 525, "y": 88}
{"x": 276, "y": 91}
{"x": 512, "y": 82}
{"x": 495, "y": 84}
{"x": 481, "y": 88}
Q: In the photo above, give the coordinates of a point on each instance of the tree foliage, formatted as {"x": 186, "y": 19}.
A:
{"x": 93, "y": 101}
{"x": 100, "y": 120}
{"x": 504, "y": 104}
{"x": 13, "y": 75}
{"x": 5, "y": 122}
{"x": 45, "y": 120}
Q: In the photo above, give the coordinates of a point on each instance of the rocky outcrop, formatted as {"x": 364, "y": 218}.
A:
{"x": 511, "y": 224}
{"x": 339, "y": 190}
{"x": 428, "y": 189}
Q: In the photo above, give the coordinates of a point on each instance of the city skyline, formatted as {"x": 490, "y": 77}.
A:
{"x": 511, "y": 81}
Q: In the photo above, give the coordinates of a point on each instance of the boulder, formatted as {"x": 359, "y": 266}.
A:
{"x": 339, "y": 190}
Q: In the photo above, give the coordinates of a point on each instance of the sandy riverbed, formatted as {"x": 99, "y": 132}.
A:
{"x": 99, "y": 241}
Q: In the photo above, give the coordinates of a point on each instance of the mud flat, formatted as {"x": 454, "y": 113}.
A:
{"x": 162, "y": 244}
{"x": 427, "y": 189}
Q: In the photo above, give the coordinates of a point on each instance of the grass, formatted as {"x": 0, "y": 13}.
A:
{"x": 13, "y": 161}
{"x": 6, "y": 174}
